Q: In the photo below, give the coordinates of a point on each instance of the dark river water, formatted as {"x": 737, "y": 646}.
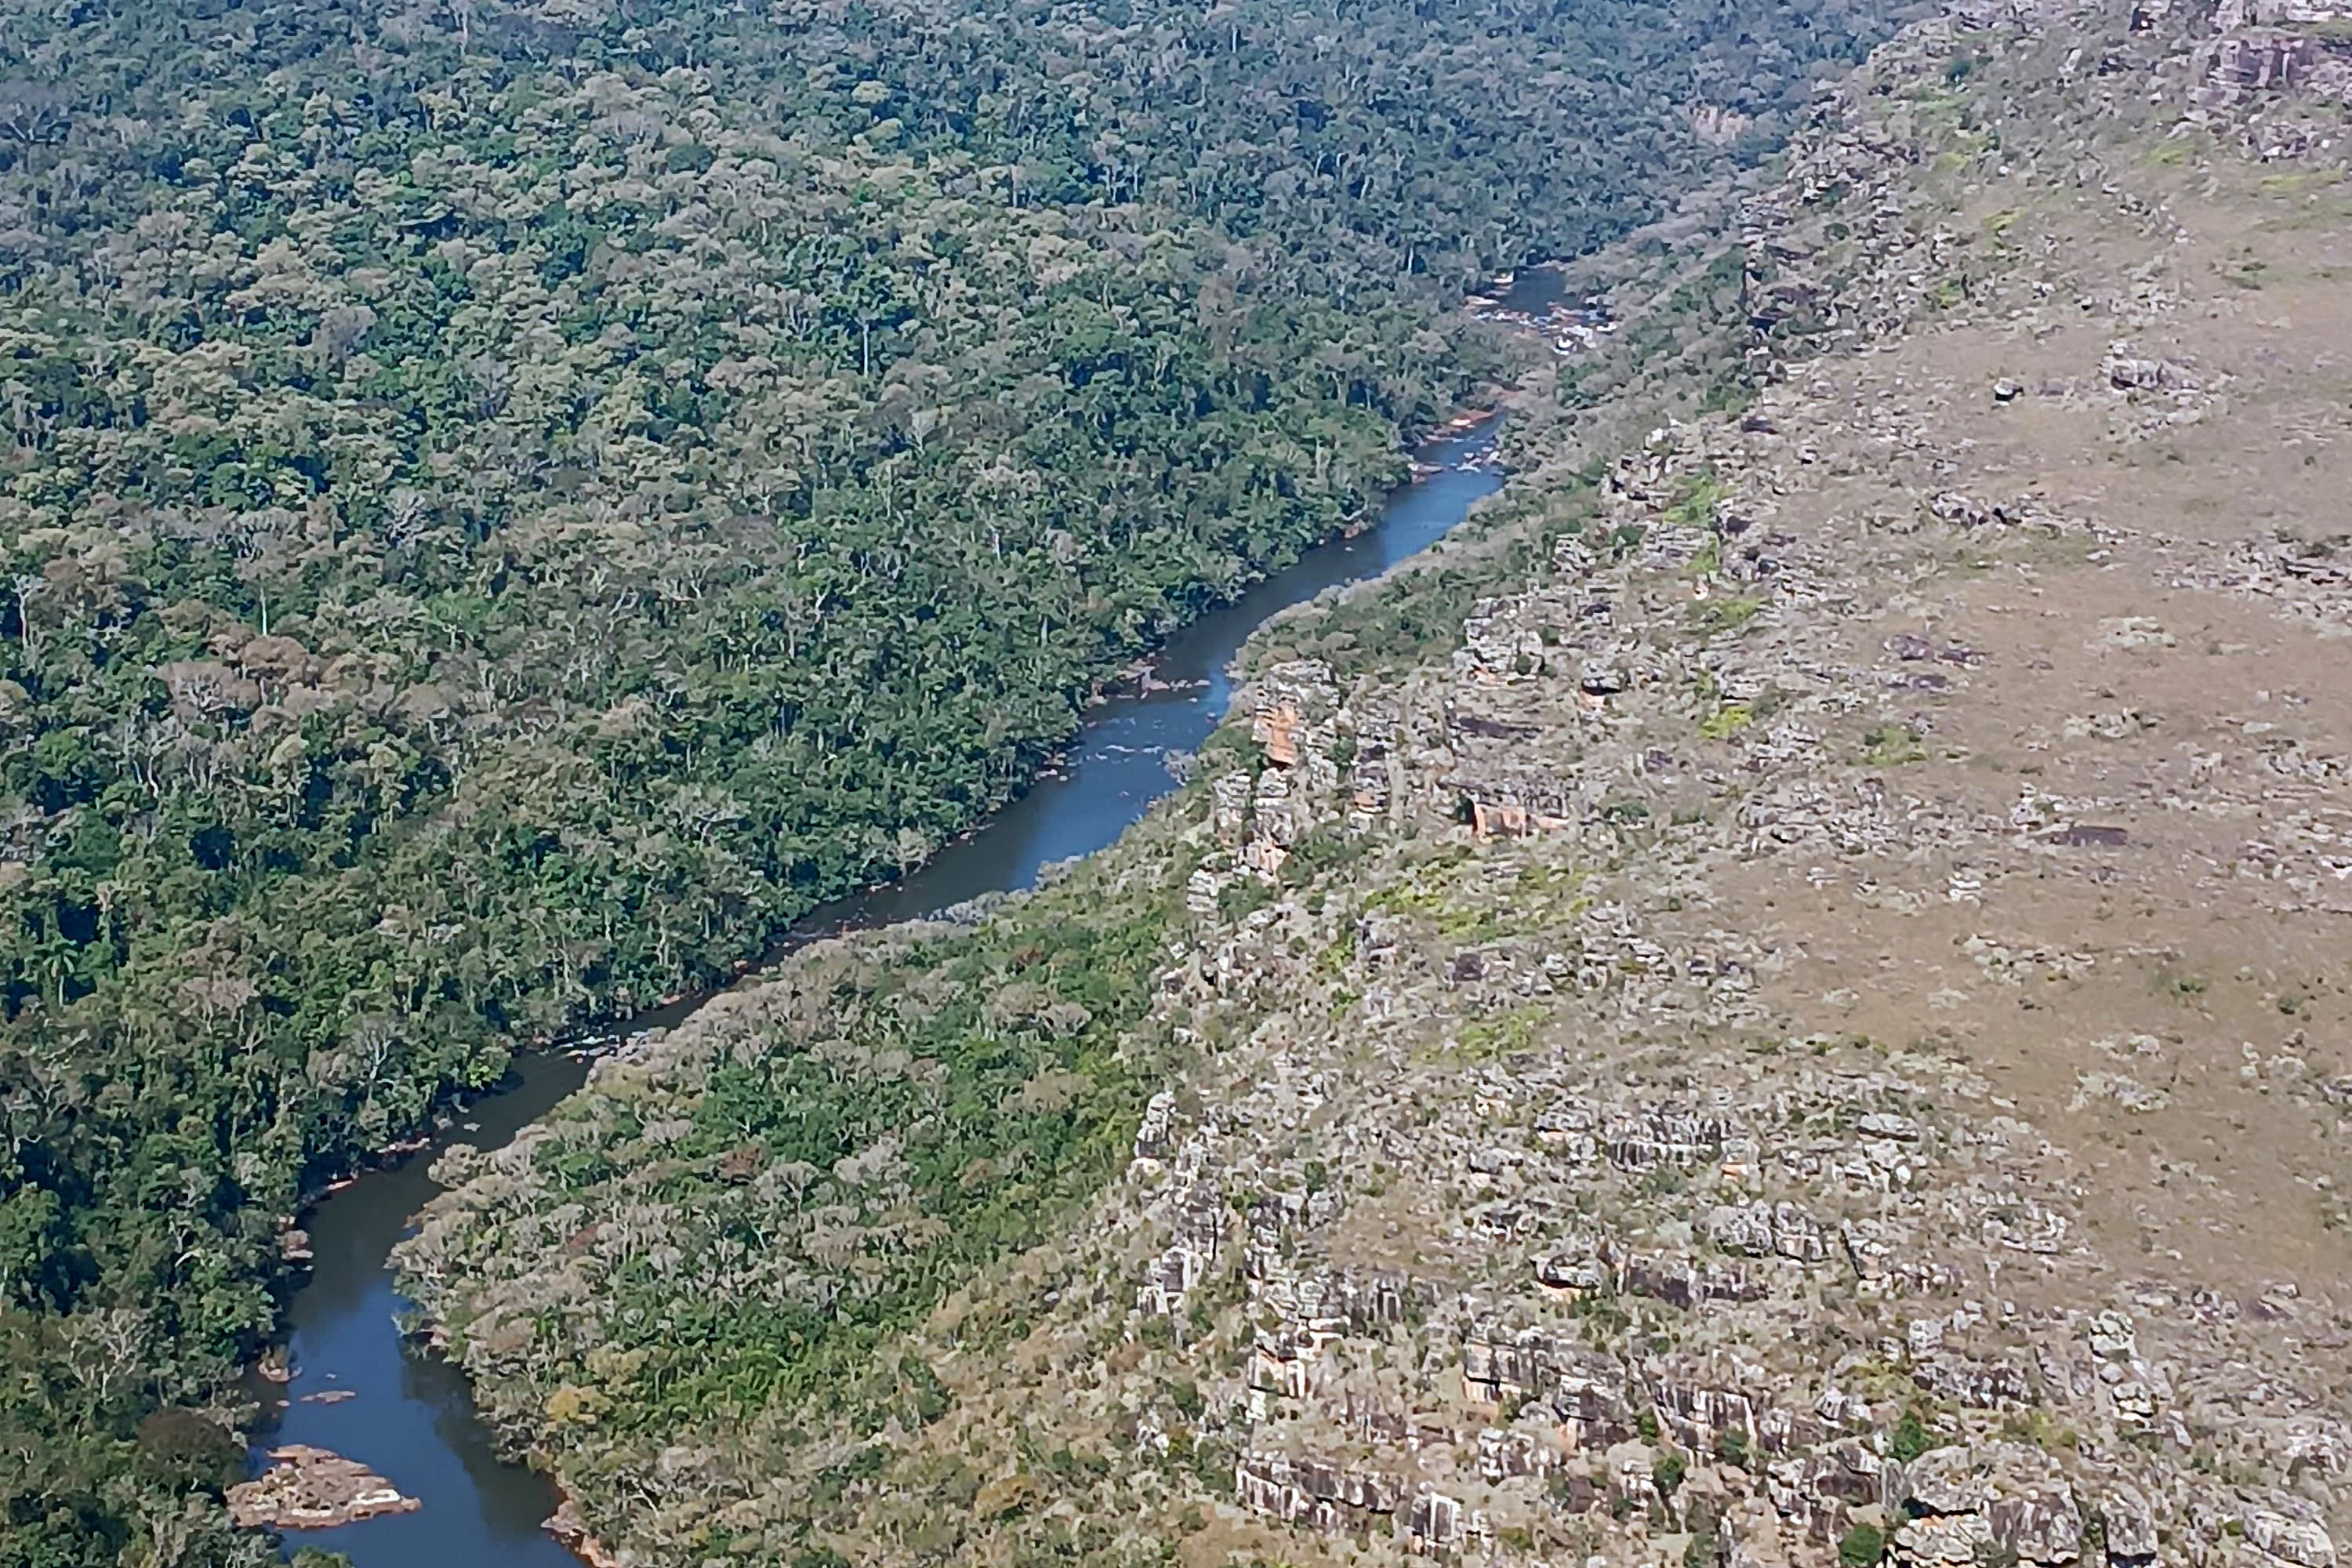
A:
{"x": 1534, "y": 290}
{"x": 362, "y": 1389}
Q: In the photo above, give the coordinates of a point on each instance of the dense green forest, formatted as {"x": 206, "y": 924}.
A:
{"x": 509, "y": 506}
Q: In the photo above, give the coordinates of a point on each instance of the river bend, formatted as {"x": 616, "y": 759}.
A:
{"x": 363, "y": 1390}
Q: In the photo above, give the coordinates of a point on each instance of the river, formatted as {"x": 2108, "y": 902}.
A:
{"x": 363, "y": 1390}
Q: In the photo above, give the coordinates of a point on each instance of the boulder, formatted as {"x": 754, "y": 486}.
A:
{"x": 2131, "y": 1528}
{"x": 2008, "y": 1495}
{"x": 1947, "y": 1480}
{"x": 1958, "y": 1539}
{"x": 2305, "y": 1543}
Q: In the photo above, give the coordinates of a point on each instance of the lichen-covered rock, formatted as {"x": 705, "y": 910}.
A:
{"x": 2004, "y": 1494}
{"x": 2304, "y": 1542}
{"x": 2130, "y": 1527}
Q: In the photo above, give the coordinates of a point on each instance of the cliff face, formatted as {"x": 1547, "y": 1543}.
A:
{"x": 1818, "y": 1031}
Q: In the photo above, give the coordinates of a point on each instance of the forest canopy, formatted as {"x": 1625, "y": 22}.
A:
{"x": 509, "y": 506}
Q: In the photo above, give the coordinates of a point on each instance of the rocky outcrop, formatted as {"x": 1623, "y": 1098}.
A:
{"x": 1957, "y": 1504}
{"x": 305, "y": 1488}
{"x": 1314, "y": 1493}
{"x": 567, "y": 1526}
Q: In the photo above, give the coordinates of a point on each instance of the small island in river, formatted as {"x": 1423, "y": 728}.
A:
{"x": 307, "y": 1488}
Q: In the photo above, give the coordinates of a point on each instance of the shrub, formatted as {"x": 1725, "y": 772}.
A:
{"x": 1861, "y": 1546}
{"x": 1911, "y": 1437}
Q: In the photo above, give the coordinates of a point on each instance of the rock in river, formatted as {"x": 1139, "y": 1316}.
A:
{"x": 314, "y": 1488}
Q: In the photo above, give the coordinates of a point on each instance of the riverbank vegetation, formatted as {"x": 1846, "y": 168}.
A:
{"x": 715, "y": 1244}
{"x": 509, "y": 506}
